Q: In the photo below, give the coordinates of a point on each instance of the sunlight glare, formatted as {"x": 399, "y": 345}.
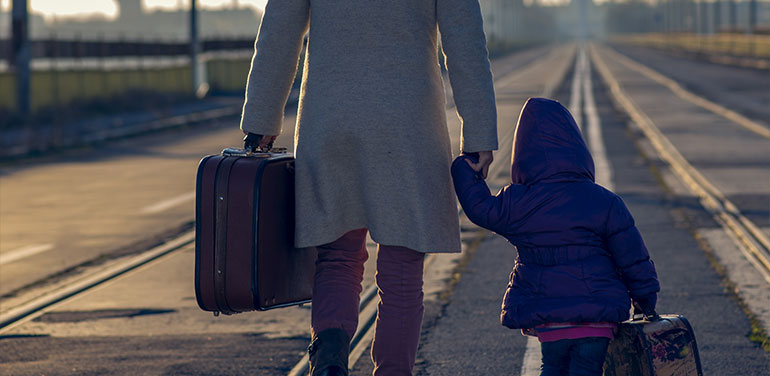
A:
{"x": 109, "y": 8}
{"x": 60, "y": 8}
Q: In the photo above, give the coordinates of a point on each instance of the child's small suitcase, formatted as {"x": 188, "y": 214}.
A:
{"x": 245, "y": 258}
{"x": 661, "y": 346}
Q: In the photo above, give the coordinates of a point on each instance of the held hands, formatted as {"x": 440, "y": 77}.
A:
{"x": 485, "y": 159}
{"x": 254, "y": 141}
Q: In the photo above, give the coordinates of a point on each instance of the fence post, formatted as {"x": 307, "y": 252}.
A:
{"x": 79, "y": 69}
{"x": 731, "y": 14}
{"x": 54, "y": 56}
{"x": 20, "y": 52}
{"x": 195, "y": 48}
{"x": 104, "y": 70}
{"x": 752, "y": 24}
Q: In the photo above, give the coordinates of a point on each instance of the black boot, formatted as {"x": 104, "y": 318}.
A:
{"x": 329, "y": 353}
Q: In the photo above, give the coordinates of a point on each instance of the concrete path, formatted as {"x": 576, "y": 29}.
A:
{"x": 468, "y": 339}
{"x": 97, "y": 204}
{"x": 61, "y": 211}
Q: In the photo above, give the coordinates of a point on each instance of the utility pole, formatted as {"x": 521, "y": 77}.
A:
{"x": 20, "y": 54}
{"x": 671, "y": 15}
{"x": 717, "y": 16}
{"x": 732, "y": 15}
{"x": 501, "y": 20}
{"x": 678, "y": 16}
{"x": 752, "y": 24}
{"x": 659, "y": 17}
{"x": 698, "y": 17}
{"x": 694, "y": 17}
{"x": 195, "y": 48}
{"x": 675, "y": 15}
{"x": 684, "y": 16}
{"x": 583, "y": 14}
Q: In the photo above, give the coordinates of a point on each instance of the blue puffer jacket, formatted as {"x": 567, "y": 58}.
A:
{"x": 580, "y": 254}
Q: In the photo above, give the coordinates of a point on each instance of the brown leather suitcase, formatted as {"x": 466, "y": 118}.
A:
{"x": 245, "y": 258}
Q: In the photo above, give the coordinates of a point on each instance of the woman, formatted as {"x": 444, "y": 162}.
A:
{"x": 372, "y": 151}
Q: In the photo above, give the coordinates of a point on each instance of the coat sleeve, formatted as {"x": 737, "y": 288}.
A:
{"x": 467, "y": 62}
{"x": 479, "y": 205}
{"x": 629, "y": 253}
{"x": 274, "y": 65}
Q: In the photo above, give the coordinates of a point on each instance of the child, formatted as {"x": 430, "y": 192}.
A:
{"x": 580, "y": 258}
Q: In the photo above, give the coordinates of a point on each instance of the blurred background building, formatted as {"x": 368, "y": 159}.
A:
{"x": 86, "y": 62}
{"x": 134, "y": 21}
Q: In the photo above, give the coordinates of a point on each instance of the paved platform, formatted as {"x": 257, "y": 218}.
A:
{"x": 468, "y": 339}
{"x": 733, "y": 158}
{"x": 63, "y": 210}
{"x": 129, "y": 320}
{"x": 147, "y": 321}
{"x": 729, "y": 154}
{"x": 744, "y": 90}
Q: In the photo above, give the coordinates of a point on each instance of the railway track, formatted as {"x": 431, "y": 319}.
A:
{"x": 37, "y": 306}
{"x": 365, "y": 331}
{"x": 748, "y": 237}
{"x": 76, "y": 286}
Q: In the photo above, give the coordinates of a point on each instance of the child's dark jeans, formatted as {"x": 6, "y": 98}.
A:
{"x": 574, "y": 357}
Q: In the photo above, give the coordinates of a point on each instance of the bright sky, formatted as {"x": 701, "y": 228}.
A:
{"x": 110, "y": 7}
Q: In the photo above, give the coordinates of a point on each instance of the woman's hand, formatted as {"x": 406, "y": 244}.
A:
{"x": 485, "y": 159}
{"x": 252, "y": 141}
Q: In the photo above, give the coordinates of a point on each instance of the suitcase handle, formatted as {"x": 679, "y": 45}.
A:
{"x": 241, "y": 152}
{"x": 638, "y": 315}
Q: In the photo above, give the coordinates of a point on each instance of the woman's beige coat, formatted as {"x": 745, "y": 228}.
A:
{"x": 371, "y": 145}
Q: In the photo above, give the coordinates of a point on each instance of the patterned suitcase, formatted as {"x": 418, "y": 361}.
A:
{"x": 658, "y": 347}
{"x": 245, "y": 258}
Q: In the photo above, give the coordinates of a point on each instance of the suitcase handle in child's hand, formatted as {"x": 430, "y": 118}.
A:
{"x": 640, "y": 315}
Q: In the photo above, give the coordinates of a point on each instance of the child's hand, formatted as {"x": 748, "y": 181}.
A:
{"x": 485, "y": 159}
{"x": 645, "y": 306}
{"x": 469, "y": 159}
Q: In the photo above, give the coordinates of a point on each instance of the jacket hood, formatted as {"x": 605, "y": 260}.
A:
{"x": 547, "y": 144}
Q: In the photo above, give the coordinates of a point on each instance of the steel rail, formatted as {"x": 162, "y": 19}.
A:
{"x": 367, "y": 312}
{"x": 750, "y": 240}
{"x": 367, "y": 308}
{"x": 699, "y": 101}
{"x": 38, "y": 306}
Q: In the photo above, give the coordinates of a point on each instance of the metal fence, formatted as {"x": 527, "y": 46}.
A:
{"x": 5, "y": 49}
{"x": 93, "y": 48}
{"x": 76, "y": 72}
{"x": 723, "y": 44}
